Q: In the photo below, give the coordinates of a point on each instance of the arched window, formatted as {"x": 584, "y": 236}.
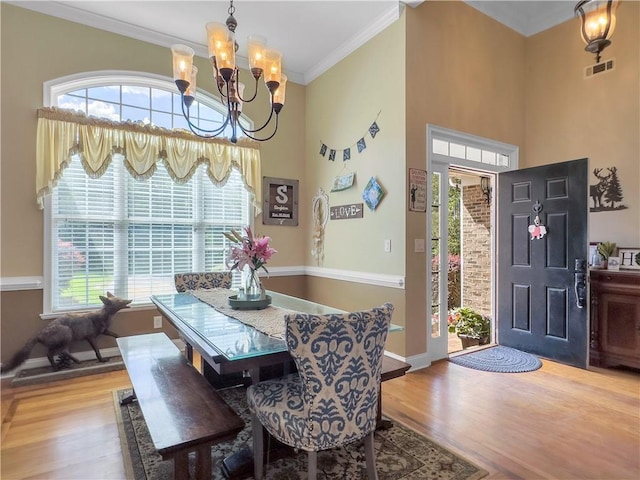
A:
{"x": 125, "y": 235}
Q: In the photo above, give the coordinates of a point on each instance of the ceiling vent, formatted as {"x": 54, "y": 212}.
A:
{"x": 598, "y": 68}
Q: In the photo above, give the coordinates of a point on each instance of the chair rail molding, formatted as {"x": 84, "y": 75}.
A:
{"x": 12, "y": 284}
{"x": 379, "y": 279}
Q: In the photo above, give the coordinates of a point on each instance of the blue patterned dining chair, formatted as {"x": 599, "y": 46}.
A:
{"x": 205, "y": 280}
{"x": 332, "y": 400}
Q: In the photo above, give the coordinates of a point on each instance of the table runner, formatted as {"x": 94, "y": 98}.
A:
{"x": 269, "y": 321}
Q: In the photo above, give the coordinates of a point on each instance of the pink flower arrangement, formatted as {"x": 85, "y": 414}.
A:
{"x": 251, "y": 251}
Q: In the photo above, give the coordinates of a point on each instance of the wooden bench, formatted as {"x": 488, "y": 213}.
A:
{"x": 391, "y": 368}
{"x": 182, "y": 410}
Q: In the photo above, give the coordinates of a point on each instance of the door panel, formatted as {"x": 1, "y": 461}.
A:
{"x": 538, "y": 310}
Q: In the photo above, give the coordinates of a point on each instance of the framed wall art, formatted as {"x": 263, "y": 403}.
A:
{"x": 280, "y": 206}
{"x": 417, "y": 190}
{"x": 629, "y": 258}
{"x": 343, "y": 182}
{"x": 373, "y": 193}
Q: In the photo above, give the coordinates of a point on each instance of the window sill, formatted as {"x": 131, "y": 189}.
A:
{"x": 135, "y": 308}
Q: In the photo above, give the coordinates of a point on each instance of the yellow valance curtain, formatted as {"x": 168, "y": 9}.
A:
{"x": 64, "y": 133}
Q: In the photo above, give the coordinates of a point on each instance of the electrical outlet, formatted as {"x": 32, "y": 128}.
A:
{"x": 157, "y": 322}
{"x": 387, "y": 246}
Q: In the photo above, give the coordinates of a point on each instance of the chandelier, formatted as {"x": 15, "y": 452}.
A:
{"x": 222, "y": 53}
{"x": 598, "y": 21}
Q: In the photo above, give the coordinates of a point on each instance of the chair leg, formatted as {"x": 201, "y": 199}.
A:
{"x": 258, "y": 447}
{"x": 370, "y": 454}
{"x": 312, "y": 471}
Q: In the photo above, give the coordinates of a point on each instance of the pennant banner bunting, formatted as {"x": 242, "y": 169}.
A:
{"x": 361, "y": 145}
{"x": 374, "y": 129}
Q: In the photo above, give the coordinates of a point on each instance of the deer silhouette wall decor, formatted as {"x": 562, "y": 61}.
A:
{"x": 607, "y": 192}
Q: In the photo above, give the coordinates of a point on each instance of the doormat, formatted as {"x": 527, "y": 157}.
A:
{"x": 499, "y": 359}
{"x": 401, "y": 453}
{"x": 32, "y": 376}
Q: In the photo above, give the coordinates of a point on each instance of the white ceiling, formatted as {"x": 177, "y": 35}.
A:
{"x": 312, "y": 34}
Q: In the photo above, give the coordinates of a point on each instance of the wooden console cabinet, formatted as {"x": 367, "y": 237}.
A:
{"x": 615, "y": 318}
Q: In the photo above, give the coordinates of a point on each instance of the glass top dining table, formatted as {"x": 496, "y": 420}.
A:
{"x": 226, "y": 343}
{"x": 229, "y": 346}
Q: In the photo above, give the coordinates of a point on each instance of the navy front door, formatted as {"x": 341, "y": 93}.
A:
{"x": 541, "y": 292}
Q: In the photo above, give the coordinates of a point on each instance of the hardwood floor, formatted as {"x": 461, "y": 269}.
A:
{"x": 556, "y": 423}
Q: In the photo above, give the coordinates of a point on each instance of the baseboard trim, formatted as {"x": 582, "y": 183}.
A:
{"x": 82, "y": 356}
{"x": 419, "y": 361}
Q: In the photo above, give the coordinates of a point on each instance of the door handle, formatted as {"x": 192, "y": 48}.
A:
{"x": 580, "y": 282}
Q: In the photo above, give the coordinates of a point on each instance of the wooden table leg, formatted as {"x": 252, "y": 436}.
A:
{"x": 203, "y": 463}
{"x": 181, "y": 466}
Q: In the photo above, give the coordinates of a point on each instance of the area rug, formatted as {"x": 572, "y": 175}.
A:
{"x": 499, "y": 359}
{"x": 37, "y": 375}
{"x": 401, "y": 453}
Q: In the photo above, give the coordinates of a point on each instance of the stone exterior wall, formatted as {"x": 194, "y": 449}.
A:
{"x": 476, "y": 250}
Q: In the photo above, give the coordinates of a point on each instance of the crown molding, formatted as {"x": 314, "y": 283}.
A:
{"x": 383, "y": 21}
{"x": 77, "y": 15}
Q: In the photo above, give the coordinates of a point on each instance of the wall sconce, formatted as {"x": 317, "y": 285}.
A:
{"x": 485, "y": 187}
{"x": 598, "y": 21}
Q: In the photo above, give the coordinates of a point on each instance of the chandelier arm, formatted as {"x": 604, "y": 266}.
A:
{"x": 222, "y": 95}
{"x": 275, "y": 130}
{"x": 255, "y": 92}
{"x": 204, "y": 133}
{"x": 195, "y": 129}
{"x": 256, "y": 130}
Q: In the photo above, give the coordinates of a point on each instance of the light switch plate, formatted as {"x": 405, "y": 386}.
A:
{"x": 157, "y": 322}
{"x": 418, "y": 245}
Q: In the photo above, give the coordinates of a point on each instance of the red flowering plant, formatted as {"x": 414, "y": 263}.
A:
{"x": 251, "y": 251}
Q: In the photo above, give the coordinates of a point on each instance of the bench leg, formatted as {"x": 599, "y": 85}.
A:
{"x": 181, "y": 466}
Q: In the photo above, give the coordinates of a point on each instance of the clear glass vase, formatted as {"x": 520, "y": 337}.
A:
{"x": 252, "y": 287}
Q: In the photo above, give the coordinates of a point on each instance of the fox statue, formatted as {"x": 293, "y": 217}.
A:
{"x": 61, "y": 332}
